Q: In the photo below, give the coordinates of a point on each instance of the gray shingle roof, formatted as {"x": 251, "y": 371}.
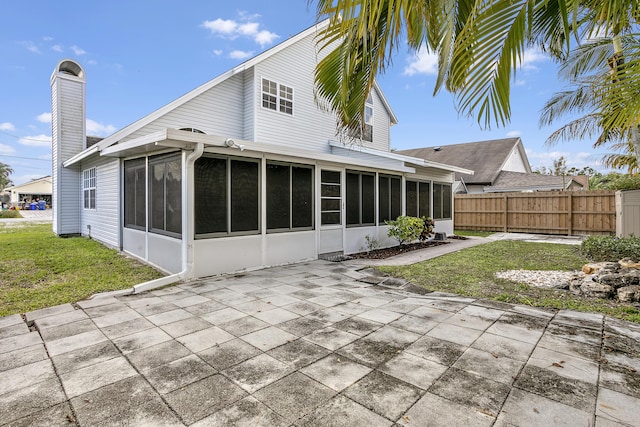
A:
{"x": 485, "y": 158}
{"x": 517, "y": 181}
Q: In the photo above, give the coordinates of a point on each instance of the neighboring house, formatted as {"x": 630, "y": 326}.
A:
{"x": 242, "y": 172}
{"x": 499, "y": 165}
{"x": 36, "y": 189}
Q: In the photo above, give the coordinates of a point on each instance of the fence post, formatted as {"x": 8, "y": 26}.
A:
{"x": 506, "y": 212}
{"x": 570, "y": 213}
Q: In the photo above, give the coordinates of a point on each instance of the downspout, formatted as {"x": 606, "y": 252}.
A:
{"x": 187, "y": 228}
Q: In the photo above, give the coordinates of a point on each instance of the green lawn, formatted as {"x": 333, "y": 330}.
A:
{"x": 473, "y": 233}
{"x": 39, "y": 269}
{"x": 470, "y": 272}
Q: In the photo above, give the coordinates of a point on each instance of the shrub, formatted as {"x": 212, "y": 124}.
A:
{"x": 371, "y": 244}
{"x": 10, "y": 214}
{"x": 610, "y": 248}
{"x": 405, "y": 228}
{"x": 427, "y": 228}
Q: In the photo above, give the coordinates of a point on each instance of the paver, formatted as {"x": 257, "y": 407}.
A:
{"x": 306, "y": 344}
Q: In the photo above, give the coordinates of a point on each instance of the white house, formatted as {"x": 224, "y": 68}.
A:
{"x": 39, "y": 188}
{"x": 242, "y": 172}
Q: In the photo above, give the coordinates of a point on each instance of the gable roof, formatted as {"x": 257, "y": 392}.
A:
{"x": 128, "y": 130}
{"x": 485, "y": 158}
{"x": 518, "y": 181}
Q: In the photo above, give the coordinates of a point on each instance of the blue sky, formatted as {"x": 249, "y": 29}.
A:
{"x": 140, "y": 54}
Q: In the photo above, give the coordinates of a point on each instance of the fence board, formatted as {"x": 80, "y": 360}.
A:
{"x": 552, "y": 212}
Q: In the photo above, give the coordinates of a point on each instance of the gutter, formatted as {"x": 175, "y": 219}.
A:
{"x": 187, "y": 241}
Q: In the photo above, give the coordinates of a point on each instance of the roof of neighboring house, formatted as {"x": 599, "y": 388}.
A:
{"x": 33, "y": 181}
{"x": 518, "y": 181}
{"x": 485, "y": 158}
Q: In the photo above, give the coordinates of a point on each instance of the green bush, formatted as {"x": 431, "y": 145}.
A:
{"x": 405, "y": 228}
{"x": 610, "y": 248}
{"x": 10, "y": 214}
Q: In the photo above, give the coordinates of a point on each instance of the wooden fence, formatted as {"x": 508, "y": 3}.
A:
{"x": 552, "y": 212}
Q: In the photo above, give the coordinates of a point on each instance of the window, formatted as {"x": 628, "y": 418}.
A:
{"x": 442, "y": 201}
{"x": 89, "y": 188}
{"x": 389, "y": 197}
{"x": 367, "y": 127}
{"x": 360, "y": 198}
{"x": 418, "y": 195}
{"x": 165, "y": 195}
{"x": 135, "y": 186}
{"x": 227, "y": 196}
{"x": 289, "y": 196}
{"x": 330, "y": 198}
{"x": 277, "y": 97}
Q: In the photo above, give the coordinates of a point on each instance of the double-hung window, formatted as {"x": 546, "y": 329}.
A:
{"x": 277, "y": 97}
{"x": 165, "y": 195}
{"x": 389, "y": 198}
{"x": 361, "y": 199}
{"x": 135, "y": 191}
{"x": 442, "y": 201}
{"x": 289, "y": 197}
{"x": 89, "y": 188}
{"x": 418, "y": 197}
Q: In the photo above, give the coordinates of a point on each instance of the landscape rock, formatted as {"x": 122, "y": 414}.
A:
{"x": 629, "y": 294}
{"x": 596, "y": 289}
{"x": 629, "y": 263}
{"x": 632, "y": 278}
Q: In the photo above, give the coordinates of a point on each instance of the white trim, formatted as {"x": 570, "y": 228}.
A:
{"x": 400, "y": 157}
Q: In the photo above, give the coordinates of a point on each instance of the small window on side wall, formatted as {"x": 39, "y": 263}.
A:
{"x": 89, "y": 180}
{"x": 277, "y": 97}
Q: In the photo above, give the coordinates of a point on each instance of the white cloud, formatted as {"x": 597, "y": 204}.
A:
{"x": 7, "y": 126}
{"x": 77, "y": 50}
{"x": 531, "y": 57}
{"x": 98, "y": 129}
{"x": 6, "y": 149}
{"x": 92, "y": 62}
{"x": 240, "y": 54}
{"x": 265, "y": 37}
{"x": 520, "y": 82}
{"x": 36, "y": 141}
{"x": 47, "y": 38}
{"x": 217, "y": 52}
{"x": 513, "y": 133}
{"x": 424, "y": 62}
{"x": 246, "y": 27}
{"x": 225, "y": 27}
{"x": 56, "y": 48}
{"x": 30, "y": 46}
{"x": 44, "y": 118}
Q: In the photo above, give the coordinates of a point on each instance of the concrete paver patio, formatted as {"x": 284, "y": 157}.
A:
{"x": 312, "y": 345}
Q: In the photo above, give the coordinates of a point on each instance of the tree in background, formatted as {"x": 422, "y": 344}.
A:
{"x": 614, "y": 181}
{"x": 5, "y": 171}
{"x": 480, "y": 44}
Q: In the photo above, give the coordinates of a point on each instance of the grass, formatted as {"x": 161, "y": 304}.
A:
{"x": 471, "y": 272}
{"x": 39, "y": 269}
{"x": 5, "y": 213}
{"x": 473, "y": 233}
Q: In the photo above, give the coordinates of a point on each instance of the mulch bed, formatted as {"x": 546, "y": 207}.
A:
{"x": 397, "y": 250}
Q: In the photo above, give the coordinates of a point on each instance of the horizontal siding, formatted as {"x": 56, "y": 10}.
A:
{"x": 432, "y": 174}
{"x": 308, "y": 128}
{"x": 381, "y": 128}
{"x": 249, "y": 105}
{"x": 71, "y": 118}
{"x": 105, "y": 219}
{"x": 218, "y": 111}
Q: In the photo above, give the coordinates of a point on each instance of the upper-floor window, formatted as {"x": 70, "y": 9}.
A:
{"x": 277, "y": 97}
{"x": 365, "y": 131}
{"x": 89, "y": 188}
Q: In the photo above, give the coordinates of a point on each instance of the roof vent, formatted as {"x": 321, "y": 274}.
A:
{"x": 437, "y": 148}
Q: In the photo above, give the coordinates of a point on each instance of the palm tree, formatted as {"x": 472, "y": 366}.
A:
{"x": 5, "y": 171}
{"x": 480, "y": 44}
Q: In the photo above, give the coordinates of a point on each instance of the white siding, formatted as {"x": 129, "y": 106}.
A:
{"x": 218, "y": 111}
{"x": 381, "y": 126}
{"x": 250, "y": 104}
{"x": 68, "y": 116}
{"x": 514, "y": 162}
{"x": 103, "y": 222}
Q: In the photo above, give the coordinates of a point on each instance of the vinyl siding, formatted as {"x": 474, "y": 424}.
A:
{"x": 249, "y": 105}
{"x": 218, "y": 111}
{"x": 514, "y": 162}
{"x": 381, "y": 126}
{"x": 105, "y": 218}
{"x": 68, "y": 105}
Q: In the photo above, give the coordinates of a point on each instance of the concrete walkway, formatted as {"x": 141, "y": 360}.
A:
{"x": 314, "y": 344}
